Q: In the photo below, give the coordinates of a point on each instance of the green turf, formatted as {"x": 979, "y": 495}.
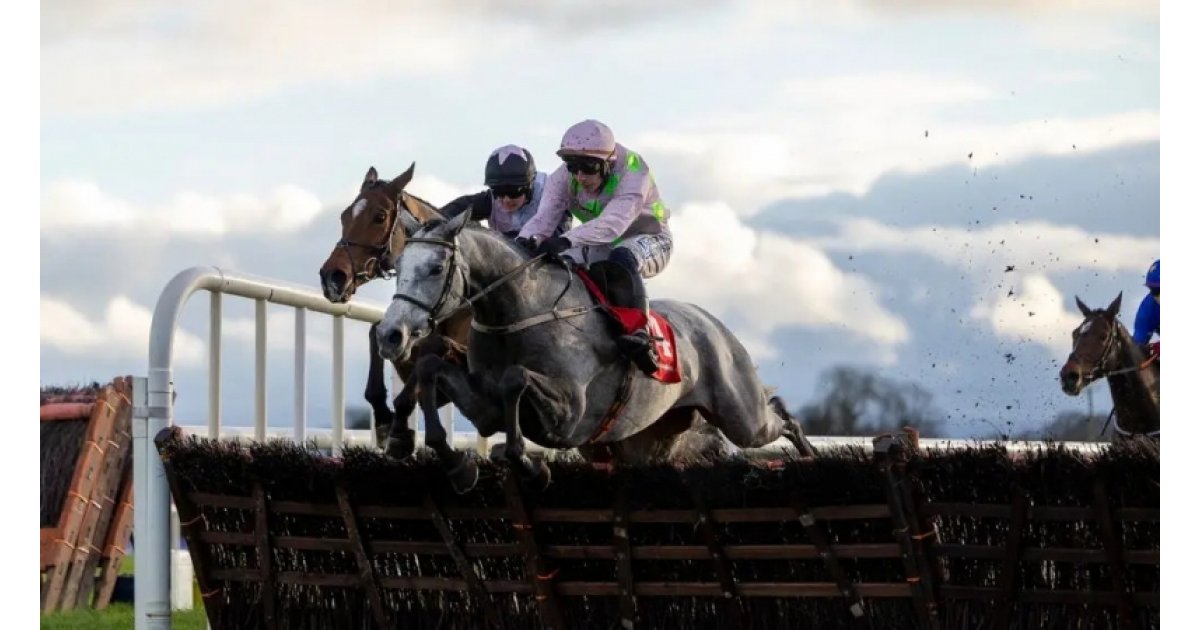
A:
{"x": 117, "y": 617}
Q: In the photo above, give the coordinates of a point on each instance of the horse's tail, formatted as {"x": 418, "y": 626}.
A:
{"x": 791, "y": 426}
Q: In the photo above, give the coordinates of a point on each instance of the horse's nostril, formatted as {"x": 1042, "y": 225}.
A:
{"x": 394, "y": 338}
{"x": 338, "y": 277}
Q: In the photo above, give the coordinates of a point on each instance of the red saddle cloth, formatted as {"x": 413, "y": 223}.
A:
{"x": 633, "y": 320}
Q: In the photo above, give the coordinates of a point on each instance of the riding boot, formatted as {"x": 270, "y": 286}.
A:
{"x": 639, "y": 347}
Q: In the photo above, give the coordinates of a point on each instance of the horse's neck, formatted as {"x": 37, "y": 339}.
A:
{"x": 532, "y": 291}
{"x": 1134, "y": 390}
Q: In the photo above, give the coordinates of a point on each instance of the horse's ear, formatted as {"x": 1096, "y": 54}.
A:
{"x": 400, "y": 182}
{"x": 457, "y": 224}
{"x": 1083, "y": 308}
{"x": 371, "y": 177}
{"x": 1115, "y": 307}
{"x": 407, "y": 221}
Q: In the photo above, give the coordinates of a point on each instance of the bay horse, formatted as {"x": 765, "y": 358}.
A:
{"x": 1103, "y": 348}
{"x": 370, "y": 238}
{"x": 543, "y": 363}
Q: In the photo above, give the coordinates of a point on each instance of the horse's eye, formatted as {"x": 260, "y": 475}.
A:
{"x": 380, "y": 217}
{"x": 436, "y": 270}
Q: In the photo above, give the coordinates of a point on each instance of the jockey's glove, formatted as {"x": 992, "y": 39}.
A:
{"x": 553, "y": 246}
{"x": 526, "y": 243}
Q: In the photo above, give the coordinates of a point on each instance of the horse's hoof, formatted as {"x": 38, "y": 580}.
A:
{"x": 496, "y": 453}
{"x": 465, "y": 475}
{"x": 381, "y": 435}
{"x": 539, "y": 478}
{"x": 401, "y": 446}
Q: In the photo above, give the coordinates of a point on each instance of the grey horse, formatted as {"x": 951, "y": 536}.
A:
{"x": 542, "y": 363}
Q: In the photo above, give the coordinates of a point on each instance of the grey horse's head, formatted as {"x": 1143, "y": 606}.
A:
{"x": 430, "y": 283}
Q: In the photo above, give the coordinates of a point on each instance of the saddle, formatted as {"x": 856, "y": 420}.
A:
{"x": 612, "y": 288}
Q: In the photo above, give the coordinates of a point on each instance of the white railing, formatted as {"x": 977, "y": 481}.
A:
{"x": 154, "y": 411}
{"x": 154, "y": 405}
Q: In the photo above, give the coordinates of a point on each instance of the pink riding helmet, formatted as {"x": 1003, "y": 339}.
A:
{"x": 590, "y": 138}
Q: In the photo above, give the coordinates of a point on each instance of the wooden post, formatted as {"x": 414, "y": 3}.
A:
{"x": 729, "y": 590}
{"x": 817, "y": 535}
{"x": 262, "y": 540}
{"x": 114, "y": 543}
{"x": 366, "y": 571}
{"x": 470, "y": 576}
{"x": 540, "y": 578}
{"x": 889, "y": 449}
{"x": 192, "y": 526}
{"x": 1115, "y": 552}
{"x": 1012, "y": 560}
{"x": 81, "y": 581}
{"x": 626, "y": 595}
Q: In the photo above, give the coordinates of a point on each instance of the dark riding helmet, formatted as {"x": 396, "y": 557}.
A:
{"x": 1152, "y": 276}
{"x": 510, "y": 165}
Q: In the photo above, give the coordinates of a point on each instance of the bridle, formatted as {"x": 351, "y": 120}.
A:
{"x": 1099, "y": 369}
{"x": 378, "y": 263}
{"x": 434, "y": 319}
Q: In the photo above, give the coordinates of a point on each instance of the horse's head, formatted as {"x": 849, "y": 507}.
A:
{"x": 370, "y": 238}
{"x": 430, "y": 283}
{"x": 1094, "y": 347}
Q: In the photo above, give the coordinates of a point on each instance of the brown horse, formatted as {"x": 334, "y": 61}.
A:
{"x": 370, "y": 241}
{"x": 1102, "y": 348}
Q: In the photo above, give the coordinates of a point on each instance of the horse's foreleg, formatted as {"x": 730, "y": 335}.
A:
{"x": 433, "y": 374}
{"x": 402, "y": 439}
{"x": 376, "y": 392}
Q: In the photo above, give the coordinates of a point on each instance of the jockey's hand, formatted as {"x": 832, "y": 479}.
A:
{"x": 553, "y": 247}
{"x": 526, "y": 243}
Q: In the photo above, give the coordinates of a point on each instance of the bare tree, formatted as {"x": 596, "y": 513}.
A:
{"x": 859, "y": 402}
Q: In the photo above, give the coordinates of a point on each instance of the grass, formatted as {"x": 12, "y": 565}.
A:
{"x": 117, "y": 617}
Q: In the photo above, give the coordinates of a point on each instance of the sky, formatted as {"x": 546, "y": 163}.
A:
{"x": 849, "y": 182}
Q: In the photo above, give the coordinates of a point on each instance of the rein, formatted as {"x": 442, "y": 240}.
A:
{"x": 435, "y": 319}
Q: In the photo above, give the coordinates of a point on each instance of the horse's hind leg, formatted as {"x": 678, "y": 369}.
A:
{"x": 554, "y": 406}
{"x": 791, "y": 429}
{"x": 376, "y": 392}
{"x": 755, "y": 422}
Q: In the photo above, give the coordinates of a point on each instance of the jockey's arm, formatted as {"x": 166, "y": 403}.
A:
{"x": 478, "y": 204}
{"x": 551, "y": 209}
{"x": 1145, "y": 324}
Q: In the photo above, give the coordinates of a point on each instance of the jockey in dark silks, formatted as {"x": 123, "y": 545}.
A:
{"x": 514, "y": 192}
{"x": 1145, "y": 324}
{"x": 609, "y": 188}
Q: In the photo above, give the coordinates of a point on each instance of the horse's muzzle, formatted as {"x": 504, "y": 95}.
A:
{"x": 1072, "y": 380}
{"x": 394, "y": 343}
{"x": 336, "y": 286}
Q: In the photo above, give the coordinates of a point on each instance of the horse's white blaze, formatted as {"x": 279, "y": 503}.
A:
{"x": 1086, "y": 326}
{"x": 358, "y": 207}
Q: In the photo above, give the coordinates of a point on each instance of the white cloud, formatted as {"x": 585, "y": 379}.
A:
{"x": 145, "y": 56}
{"x": 767, "y": 282}
{"x": 70, "y": 206}
{"x": 123, "y": 331}
{"x": 840, "y": 134}
{"x": 1035, "y": 313}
